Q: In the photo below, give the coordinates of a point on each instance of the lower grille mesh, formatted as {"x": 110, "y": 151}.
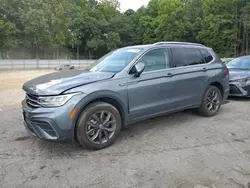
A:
{"x": 234, "y": 90}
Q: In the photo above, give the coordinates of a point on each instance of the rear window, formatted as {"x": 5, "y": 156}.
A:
{"x": 186, "y": 57}
{"x": 206, "y": 55}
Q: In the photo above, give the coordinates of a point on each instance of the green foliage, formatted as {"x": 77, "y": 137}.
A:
{"x": 219, "y": 26}
{"x": 8, "y": 35}
{"x": 113, "y": 40}
{"x": 246, "y": 14}
{"x": 91, "y": 28}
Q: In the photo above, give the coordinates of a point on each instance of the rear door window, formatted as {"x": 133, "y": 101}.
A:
{"x": 206, "y": 55}
{"x": 186, "y": 57}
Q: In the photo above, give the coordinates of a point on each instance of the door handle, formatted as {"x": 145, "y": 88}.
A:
{"x": 204, "y": 69}
{"x": 170, "y": 75}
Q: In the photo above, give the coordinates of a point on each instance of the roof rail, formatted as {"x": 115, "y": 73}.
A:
{"x": 183, "y": 43}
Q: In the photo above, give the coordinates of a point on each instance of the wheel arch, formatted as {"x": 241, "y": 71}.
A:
{"x": 110, "y": 99}
{"x": 219, "y": 86}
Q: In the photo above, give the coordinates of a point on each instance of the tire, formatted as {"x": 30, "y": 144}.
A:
{"x": 205, "y": 108}
{"x": 91, "y": 120}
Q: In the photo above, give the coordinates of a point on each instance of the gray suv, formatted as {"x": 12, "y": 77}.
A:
{"x": 125, "y": 86}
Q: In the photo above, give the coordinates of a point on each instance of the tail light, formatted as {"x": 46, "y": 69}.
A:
{"x": 227, "y": 71}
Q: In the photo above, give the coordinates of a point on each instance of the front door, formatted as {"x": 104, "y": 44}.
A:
{"x": 152, "y": 92}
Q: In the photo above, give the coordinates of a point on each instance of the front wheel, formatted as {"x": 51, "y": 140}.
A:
{"x": 98, "y": 126}
{"x": 211, "y": 102}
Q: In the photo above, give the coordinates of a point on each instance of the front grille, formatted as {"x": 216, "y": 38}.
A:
{"x": 32, "y": 101}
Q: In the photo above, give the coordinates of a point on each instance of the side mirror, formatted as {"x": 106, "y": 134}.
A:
{"x": 139, "y": 68}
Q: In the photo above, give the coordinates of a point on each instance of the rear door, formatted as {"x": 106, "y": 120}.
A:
{"x": 190, "y": 73}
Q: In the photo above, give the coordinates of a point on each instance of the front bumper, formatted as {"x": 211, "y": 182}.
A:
{"x": 239, "y": 91}
{"x": 53, "y": 124}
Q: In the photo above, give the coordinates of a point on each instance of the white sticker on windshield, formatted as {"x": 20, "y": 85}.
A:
{"x": 134, "y": 50}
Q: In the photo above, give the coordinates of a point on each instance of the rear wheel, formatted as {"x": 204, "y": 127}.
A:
{"x": 98, "y": 126}
{"x": 211, "y": 102}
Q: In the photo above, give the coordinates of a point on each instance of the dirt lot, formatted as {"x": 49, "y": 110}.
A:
{"x": 11, "y": 86}
{"x": 181, "y": 150}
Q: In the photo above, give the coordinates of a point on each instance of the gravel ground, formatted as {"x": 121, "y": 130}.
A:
{"x": 181, "y": 150}
{"x": 11, "y": 91}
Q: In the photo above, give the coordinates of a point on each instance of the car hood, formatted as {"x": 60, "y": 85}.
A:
{"x": 235, "y": 74}
{"x": 58, "y": 82}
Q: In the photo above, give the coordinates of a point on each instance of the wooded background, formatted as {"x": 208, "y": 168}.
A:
{"x": 87, "y": 29}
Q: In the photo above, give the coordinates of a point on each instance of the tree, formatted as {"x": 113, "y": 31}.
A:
{"x": 113, "y": 40}
{"x": 10, "y": 25}
{"x": 193, "y": 15}
{"x": 246, "y": 28}
{"x": 91, "y": 28}
{"x": 218, "y": 28}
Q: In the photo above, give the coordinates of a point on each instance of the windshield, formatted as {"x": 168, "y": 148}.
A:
{"x": 239, "y": 63}
{"x": 115, "y": 61}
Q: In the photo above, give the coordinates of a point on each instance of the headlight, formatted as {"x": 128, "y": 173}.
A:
{"x": 55, "y": 101}
{"x": 242, "y": 82}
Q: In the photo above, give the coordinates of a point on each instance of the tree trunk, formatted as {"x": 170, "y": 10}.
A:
{"x": 37, "y": 60}
{"x": 242, "y": 30}
{"x": 247, "y": 47}
{"x": 238, "y": 44}
{"x": 77, "y": 53}
{"x": 44, "y": 54}
{"x": 90, "y": 54}
{"x": 244, "y": 40}
{"x": 235, "y": 50}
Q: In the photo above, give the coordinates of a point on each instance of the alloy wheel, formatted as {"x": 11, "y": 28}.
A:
{"x": 101, "y": 127}
{"x": 213, "y": 101}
